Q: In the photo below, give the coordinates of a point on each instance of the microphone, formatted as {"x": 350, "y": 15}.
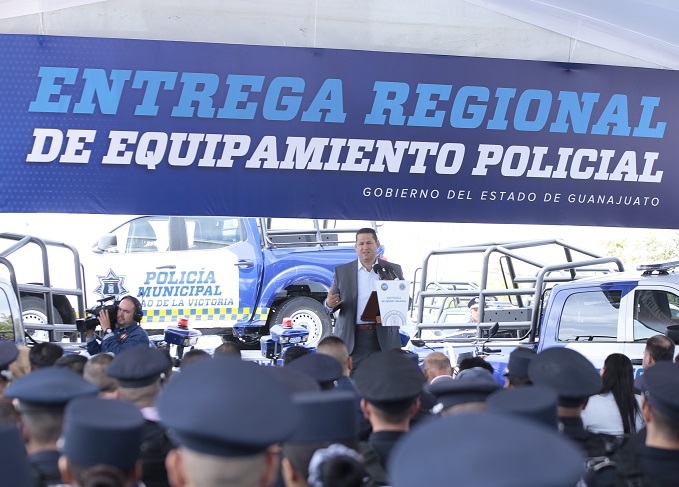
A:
{"x": 386, "y": 273}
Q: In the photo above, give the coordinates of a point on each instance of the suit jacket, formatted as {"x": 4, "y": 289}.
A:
{"x": 345, "y": 282}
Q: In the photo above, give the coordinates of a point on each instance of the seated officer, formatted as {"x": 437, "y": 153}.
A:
{"x": 517, "y": 367}
{"x": 43, "y": 355}
{"x": 293, "y": 380}
{"x": 96, "y": 372}
{"x": 102, "y": 443}
{"x": 8, "y": 353}
{"x": 138, "y": 371}
{"x": 42, "y": 396}
{"x": 324, "y": 368}
{"x": 13, "y": 463}
{"x": 436, "y": 365}
{"x": 335, "y": 347}
{"x": 330, "y": 429}
{"x": 659, "y": 459}
{"x": 487, "y": 450}
{"x": 575, "y": 379}
{"x": 228, "y": 417}
{"x": 536, "y": 403}
{"x": 465, "y": 394}
{"x": 390, "y": 384}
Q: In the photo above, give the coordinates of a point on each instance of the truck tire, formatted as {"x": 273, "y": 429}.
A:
{"x": 306, "y": 312}
{"x": 34, "y": 310}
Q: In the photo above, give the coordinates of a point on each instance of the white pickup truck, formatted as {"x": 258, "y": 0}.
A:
{"x": 545, "y": 293}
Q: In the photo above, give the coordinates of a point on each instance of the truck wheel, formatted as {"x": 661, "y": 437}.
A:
{"x": 306, "y": 312}
{"x": 34, "y": 310}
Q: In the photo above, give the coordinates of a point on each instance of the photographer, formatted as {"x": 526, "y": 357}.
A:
{"x": 126, "y": 334}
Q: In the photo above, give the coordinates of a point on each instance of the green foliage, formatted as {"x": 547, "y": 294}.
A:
{"x": 654, "y": 247}
{"x": 6, "y": 326}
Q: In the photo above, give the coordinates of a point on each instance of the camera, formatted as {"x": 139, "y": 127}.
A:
{"x": 91, "y": 321}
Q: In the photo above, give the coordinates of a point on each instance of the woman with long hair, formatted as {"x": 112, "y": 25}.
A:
{"x": 615, "y": 410}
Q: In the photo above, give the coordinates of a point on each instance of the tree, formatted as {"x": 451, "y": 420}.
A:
{"x": 654, "y": 247}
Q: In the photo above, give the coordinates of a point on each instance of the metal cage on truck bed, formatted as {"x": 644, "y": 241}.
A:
{"x": 526, "y": 270}
{"x": 42, "y": 288}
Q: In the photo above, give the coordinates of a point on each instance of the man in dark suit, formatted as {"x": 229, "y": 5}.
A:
{"x": 352, "y": 285}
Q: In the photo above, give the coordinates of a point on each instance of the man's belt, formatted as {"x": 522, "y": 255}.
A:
{"x": 363, "y": 326}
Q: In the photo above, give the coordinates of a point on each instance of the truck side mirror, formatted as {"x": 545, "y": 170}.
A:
{"x": 104, "y": 243}
{"x": 493, "y": 330}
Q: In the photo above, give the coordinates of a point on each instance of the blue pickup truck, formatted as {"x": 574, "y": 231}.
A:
{"x": 229, "y": 276}
{"x": 542, "y": 294}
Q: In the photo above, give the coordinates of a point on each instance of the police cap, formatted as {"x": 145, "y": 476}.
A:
{"x": 476, "y": 373}
{"x": 103, "y": 432}
{"x": 536, "y": 403}
{"x": 451, "y": 393}
{"x": 473, "y": 303}
{"x": 13, "y": 461}
{"x": 660, "y": 386}
{"x": 8, "y": 353}
{"x": 389, "y": 380}
{"x": 568, "y": 372}
{"x": 293, "y": 380}
{"x": 194, "y": 405}
{"x": 521, "y": 453}
{"x": 49, "y": 388}
{"x": 328, "y": 416}
{"x": 324, "y": 368}
{"x": 519, "y": 360}
{"x": 138, "y": 366}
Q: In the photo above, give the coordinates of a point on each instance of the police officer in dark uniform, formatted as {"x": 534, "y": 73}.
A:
{"x": 575, "y": 379}
{"x": 102, "y": 443}
{"x": 658, "y": 462}
{"x": 13, "y": 463}
{"x": 535, "y": 403}
{"x": 8, "y": 353}
{"x": 228, "y": 417}
{"x": 483, "y": 449}
{"x": 390, "y": 384}
{"x": 465, "y": 394}
{"x": 326, "y": 370}
{"x": 139, "y": 371}
{"x": 328, "y": 433}
{"x": 42, "y": 396}
{"x": 517, "y": 367}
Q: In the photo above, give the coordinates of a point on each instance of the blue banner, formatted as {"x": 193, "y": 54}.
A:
{"x": 154, "y": 127}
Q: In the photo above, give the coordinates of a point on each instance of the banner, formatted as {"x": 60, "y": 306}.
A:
{"x": 157, "y": 127}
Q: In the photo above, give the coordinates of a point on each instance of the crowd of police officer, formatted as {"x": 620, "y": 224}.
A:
{"x": 129, "y": 420}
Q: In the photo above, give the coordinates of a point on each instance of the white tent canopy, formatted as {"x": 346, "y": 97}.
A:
{"x": 621, "y": 32}
{"x": 645, "y": 29}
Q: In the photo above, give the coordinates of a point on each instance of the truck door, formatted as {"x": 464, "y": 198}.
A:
{"x": 178, "y": 267}
{"x": 229, "y": 243}
{"x": 649, "y": 313}
{"x": 587, "y": 320}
